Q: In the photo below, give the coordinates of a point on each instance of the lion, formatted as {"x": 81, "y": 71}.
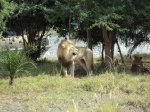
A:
{"x": 137, "y": 65}
{"x": 68, "y": 55}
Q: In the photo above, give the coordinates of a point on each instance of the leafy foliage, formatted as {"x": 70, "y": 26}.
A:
{"x": 6, "y": 9}
{"x": 15, "y": 62}
{"x": 34, "y": 20}
{"x": 129, "y": 19}
{"x": 135, "y": 29}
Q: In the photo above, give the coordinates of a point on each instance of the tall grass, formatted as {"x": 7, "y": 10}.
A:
{"x": 45, "y": 90}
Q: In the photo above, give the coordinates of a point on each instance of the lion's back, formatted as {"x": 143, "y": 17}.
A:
{"x": 84, "y": 50}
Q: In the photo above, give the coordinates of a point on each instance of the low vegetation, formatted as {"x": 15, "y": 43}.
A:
{"x": 45, "y": 90}
{"x": 14, "y": 62}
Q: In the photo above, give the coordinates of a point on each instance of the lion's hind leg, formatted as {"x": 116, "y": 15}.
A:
{"x": 72, "y": 69}
{"x": 90, "y": 67}
{"x": 146, "y": 70}
{"x": 84, "y": 64}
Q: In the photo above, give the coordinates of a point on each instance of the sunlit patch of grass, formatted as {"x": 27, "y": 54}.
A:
{"x": 108, "y": 106}
{"x": 97, "y": 84}
{"x": 134, "y": 84}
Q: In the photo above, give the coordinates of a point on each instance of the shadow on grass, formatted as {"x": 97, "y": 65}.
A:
{"x": 52, "y": 68}
{"x": 119, "y": 69}
{"x": 47, "y": 68}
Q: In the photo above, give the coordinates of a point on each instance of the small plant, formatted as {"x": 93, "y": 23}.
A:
{"x": 14, "y": 62}
{"x": 29, "y": 48}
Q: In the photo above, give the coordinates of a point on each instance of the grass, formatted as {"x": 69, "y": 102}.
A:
{"x": 44, "y": 90}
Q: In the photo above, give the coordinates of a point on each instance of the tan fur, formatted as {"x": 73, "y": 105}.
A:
{"x": 62, "y": 48}
{"x": 68, "y": 54}
{"x": 137, "y": 65}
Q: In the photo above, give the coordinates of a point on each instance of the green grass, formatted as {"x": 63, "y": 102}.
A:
{"x": 44, "y": 90}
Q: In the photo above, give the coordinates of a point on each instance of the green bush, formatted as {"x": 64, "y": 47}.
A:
{"x": 14, "y": 62}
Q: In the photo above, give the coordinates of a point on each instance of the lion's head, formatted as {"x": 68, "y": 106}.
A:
{"x": 67, "y": 50}
{"x": 138, "y": 60}
{"x": 137, "y": 64}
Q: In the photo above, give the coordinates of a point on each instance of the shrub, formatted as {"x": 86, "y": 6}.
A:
{"x": 14, "y": 62}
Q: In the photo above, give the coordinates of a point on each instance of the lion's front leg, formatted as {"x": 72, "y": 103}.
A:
{"x": 64, "y": 70}
{"x": 72, "y": 69}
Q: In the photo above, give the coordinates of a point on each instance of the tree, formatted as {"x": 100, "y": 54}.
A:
{"x": 135, "y": 30}
{"x": 6, "y": 9}
{"x": 66, "y": 17}
{"x": 76, "y": 18}
{"x": 115, "y": 20}
{"x": 90, "y": 16}
{"x": 33, "y": 19}
{"x": 107, "y": 18}
{"x": 95, "y": 21}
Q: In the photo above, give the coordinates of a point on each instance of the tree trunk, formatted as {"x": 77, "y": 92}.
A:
{"x": 112, "y": 50}
{"x": 113, "y": 38}
{"x": 119, "y": 50}
{"x": 89, "y": 39}
{"x": 107, "y": 37}
{"x": 103, "y": 45}
{"x": 37, "y": 42}
{"x": 11, "y": 81}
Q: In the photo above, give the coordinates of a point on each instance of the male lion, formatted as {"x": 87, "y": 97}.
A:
{"x": 137, "y": 65}
{"x": 68, "y": 54}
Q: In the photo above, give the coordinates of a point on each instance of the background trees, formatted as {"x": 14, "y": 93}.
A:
{"x": 97, "y": 21}
{"x": 138, "y": 24}
{"x": 6, "y": 9}
{"x": 33, "y": 19}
